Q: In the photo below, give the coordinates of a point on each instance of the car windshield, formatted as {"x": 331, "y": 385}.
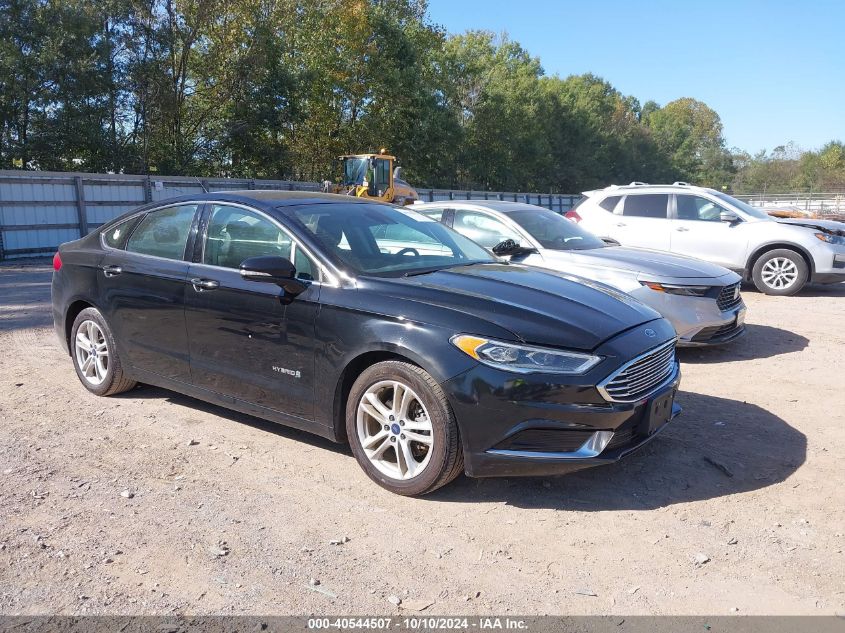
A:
{"x": 386, "y": 241}
{"x": 754, "y": 212}
{"x": 555, "y": 232}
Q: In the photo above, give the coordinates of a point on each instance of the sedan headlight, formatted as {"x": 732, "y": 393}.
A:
{"x": 687, "y": 291}
{"x": 831, "y": 239}
{"x": 524, "y": 358}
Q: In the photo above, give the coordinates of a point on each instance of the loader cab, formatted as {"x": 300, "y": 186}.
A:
{"x": 372, "y": 172}
{"x": 373, "y": 176}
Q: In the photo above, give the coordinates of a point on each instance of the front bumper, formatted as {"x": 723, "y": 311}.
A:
{"x": 697, "y": 320}
{"x": 514, "y": 426}
{"x": 834, "y": 274}
{"x": 828, "y": 264}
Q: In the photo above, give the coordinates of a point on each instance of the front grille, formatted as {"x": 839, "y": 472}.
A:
{"x": 622, "y": 437}
{"x": 637, "y": 379}
{"x": 716, "y": 332}
{"x": 546, "y": 440}
{"x": 729, "y": 297}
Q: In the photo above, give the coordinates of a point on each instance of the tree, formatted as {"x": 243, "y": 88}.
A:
{"x": 690, "y": 133}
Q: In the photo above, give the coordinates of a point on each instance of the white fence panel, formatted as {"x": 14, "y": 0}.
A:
{"x": 40, "y": 210}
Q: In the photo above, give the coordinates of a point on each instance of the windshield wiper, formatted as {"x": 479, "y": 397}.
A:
{"x": 434, "y": 269}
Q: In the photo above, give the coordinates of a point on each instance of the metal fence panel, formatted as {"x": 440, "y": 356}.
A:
{"x": 40, "y": 210}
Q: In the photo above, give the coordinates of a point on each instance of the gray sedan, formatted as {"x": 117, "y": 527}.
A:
{"x": 701, "y": 300}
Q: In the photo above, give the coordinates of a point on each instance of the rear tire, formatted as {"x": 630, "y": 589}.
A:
{"x": 781, "y": 272}
{"x": 402, "y": 429}
{"x": 95, "y": 356}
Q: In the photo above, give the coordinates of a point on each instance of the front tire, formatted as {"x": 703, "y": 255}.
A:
{"x": 402, "y": 430}
{"x": 781, "y": 272}
{"x": 95, "y": 356}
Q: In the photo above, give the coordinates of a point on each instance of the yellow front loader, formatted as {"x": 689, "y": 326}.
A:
{"x": 373, "y": 176}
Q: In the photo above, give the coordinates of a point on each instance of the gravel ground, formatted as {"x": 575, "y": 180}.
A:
{"x": 155, "y": 503}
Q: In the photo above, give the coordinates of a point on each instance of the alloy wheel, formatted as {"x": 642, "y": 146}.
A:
{"x": 779, "y": 273}
{"x": 394, "y": 429}
{"x": 92, "y": 352}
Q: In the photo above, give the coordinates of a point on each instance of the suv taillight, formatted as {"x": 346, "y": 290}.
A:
{"x": 57, "y": 261}
{"x": 572, "y": 215}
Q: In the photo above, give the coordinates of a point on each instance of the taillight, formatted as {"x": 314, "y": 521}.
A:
{"x": 573, "y": 216}
{"x": 57, "y": 262}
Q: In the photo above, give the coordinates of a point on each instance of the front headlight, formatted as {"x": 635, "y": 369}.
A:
{"x": 687, "y": 291}
{"x": 523, "y": 358}
{"x": 831, "y": 239}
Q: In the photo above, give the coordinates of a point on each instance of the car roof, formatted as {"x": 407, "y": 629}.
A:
{"x": 646, "y": 187}
{"x": 285, "y": 198}
{"x": 502, "y": 206}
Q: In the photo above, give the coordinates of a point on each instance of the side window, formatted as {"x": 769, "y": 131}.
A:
{"x": 403, "y": 233}
{"x": 395, "y": 237}
{"x": 235, "y": 234}
{"x": 382, "y": 174}
{"x": 305, "y": 266}
{"x": 115, "y": 236}
{"x": 435, "y": 213}
{"x": 609, "y": 203}
{"x": 163, "y": 233}
{"x": 483, "y": 229}
{"x": 698, "y": 208}
{"x": 649, "y": 205}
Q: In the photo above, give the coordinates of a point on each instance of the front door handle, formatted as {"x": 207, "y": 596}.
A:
{"x": 682, "y": 229}
{"x": 112, "y": 270}
{"x": 200, "y": 284}
{"x": 621, "y": 224}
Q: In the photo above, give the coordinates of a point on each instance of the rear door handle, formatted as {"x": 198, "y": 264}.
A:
{"x": 682, "y": 229}
{"x": 112, "y": 271}
{"x": 200, "y": 284}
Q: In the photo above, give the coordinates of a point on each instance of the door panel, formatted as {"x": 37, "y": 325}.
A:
{"x": 248, "y": 339}
{"x": 642, "y": 220}
{"x": 248, "y": 342}
{"x": 144, "y": 295}
{"x": 697, "y": 231}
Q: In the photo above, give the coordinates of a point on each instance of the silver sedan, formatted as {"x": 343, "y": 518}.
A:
{"x": 701, "y": 300}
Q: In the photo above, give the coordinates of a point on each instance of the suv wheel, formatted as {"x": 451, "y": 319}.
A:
{"x": 95, "y": 355}
{"x": 402, "y": 430}
{"x": 781, "y": 272}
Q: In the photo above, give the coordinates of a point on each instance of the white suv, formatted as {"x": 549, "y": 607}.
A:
{"x": 778, "y": 255}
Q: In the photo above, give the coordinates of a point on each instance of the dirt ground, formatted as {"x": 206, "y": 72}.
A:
{"x": 242, "y": 520}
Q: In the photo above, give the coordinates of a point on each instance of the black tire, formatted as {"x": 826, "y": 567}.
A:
{"x": 780, "y": 259}
{"x": 446, "y": 461}
{"x": 112, "y": 381}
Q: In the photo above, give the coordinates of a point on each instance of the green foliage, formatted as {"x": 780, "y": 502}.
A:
{"x": 280, "y": 88}
{"x": 689, "y": 133}
{"x": 788, "y": 169}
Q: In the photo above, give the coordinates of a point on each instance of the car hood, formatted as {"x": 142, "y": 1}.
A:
{"x": 536, "y": 306}
{"x": 640, "y": 260}
{"x": 832, "y": 227}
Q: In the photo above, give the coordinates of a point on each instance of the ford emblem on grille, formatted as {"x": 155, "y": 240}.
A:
{"x": 650, "y": 333}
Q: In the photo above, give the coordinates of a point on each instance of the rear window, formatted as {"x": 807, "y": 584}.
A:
{"x": 163, "y": 233}
{"x": 115, "y": 236}
{"x": 609, "y": 203}
{"x": 647, "y": 205}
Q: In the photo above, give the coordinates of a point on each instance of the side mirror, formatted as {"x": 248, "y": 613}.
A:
{"x": 728, "y": 216}
{"x": 511, "y": 248}
{"x": 274, "y": 270}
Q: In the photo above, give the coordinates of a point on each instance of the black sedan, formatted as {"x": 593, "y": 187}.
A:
{"x": 367, "y": 323}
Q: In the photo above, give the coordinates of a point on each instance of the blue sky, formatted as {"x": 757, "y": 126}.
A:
{"x": 774, "y": 71}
